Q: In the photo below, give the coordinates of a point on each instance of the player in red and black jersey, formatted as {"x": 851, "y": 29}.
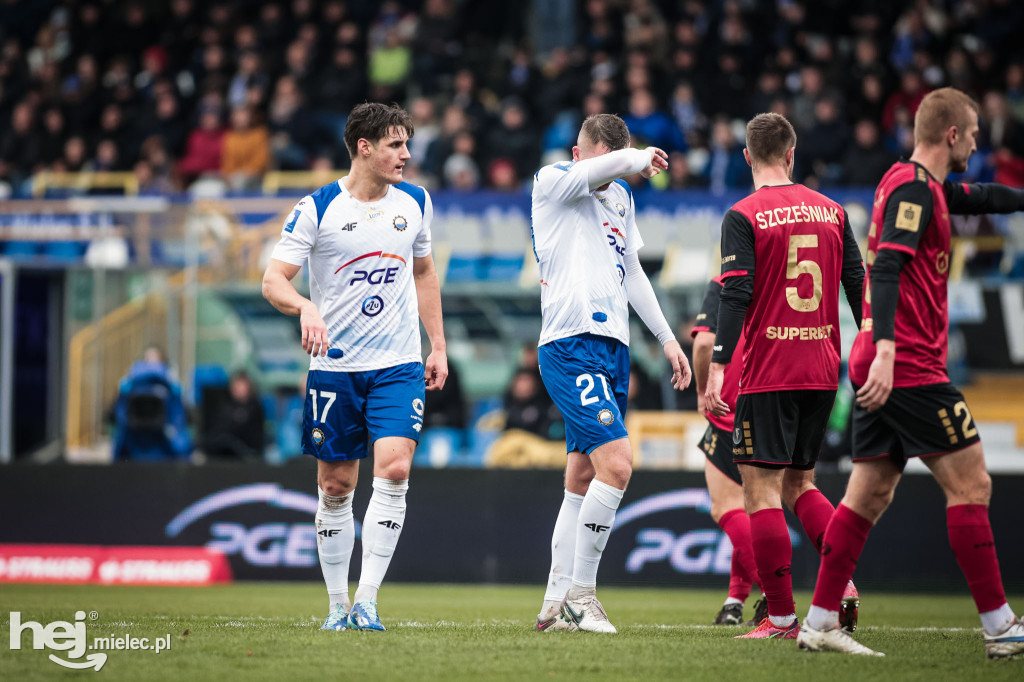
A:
{"x": 785, "y": 251}
{"x": 720, "y": 471}
{"x": 906, "y": 406}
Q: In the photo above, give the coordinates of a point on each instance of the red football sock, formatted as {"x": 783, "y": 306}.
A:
{"x": 774, "y": 556}
{"x": 970, "y": 536}
{"x": 743, "y": 571}
{"x": 843, "y": 543}
{"x": 814, "y": 511}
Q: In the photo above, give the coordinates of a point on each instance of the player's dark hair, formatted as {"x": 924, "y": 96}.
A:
{"x": 939, "y": 111}
{"x": 608, "y": 129}
{"x": 373, "y": 121}
{"x": 769, "y": 137}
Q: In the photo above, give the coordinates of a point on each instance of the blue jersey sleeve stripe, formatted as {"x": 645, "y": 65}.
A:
{"x": 323, "y": 197}
{"x": 625, "y": 186}
{"x": 416, "y": 192}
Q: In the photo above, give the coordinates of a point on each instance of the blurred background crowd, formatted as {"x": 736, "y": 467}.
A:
{"x": 233, "y": 88}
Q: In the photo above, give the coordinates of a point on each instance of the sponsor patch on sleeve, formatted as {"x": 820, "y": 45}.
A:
{"x": 908, "y": 217}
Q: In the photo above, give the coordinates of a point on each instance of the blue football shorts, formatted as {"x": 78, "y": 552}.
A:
{"x": 587, "y": 376}
{"x": 344, "y": 411}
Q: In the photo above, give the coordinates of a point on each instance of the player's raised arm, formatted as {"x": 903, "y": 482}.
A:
{"x": 618, "y": 164}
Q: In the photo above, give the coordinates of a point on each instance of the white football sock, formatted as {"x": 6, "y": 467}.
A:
{"x": 597, "y": 514}
{"x": 822, "y": 619}
{"x": 382, "y": 527}
{"x": 996, "y": 621}
{"x": 335, "y": 537}
{"x": 563, "y": 549}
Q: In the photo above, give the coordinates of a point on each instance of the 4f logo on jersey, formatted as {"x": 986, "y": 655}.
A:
{"x": 388, "y": 523}
{"x": 379, "y": 276}
{"x": 348, "y": 227}
{"x": 596, "y": 527}
{"x": 328, "y": 532}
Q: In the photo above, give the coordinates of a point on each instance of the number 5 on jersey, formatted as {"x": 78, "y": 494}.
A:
{"x": 796, "y": 267}
{"x": 327, "y": 407}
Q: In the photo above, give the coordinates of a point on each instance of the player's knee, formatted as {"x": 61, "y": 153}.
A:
{"x": 336, "y": 487}
{"x": 395, "y": 471}
{"x": 979, "y": 489}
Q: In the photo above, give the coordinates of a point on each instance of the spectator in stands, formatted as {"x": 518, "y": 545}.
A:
{"x": 246, "y": 154}
{"x": 908, "y": 97}
{"x": 648, "y": 126}
{"x": 75, "y": 157}
{"x": 511, "y": 139}
{"x": 20, "y": 151}
{"x": 51, "y": 144}
{"x": 436, "y": 45}
{"x": 726, "y": 168}
{"x": 679, "y": 174}
{"x": 249, "y": 75}
{"x": 460, "y": 169}
{"x": 867, "y": 159}
{"x": 164, "y": 119}
{"x": 1005, "y": 137}
{"x": 528, "y": 406}
{"x": 236, "y": 430}
{"x": 389, "y": 66}
{"x": 643, "y": 394}
{"x": 292, "y": 127}
{"x": 823, "y": 144}
{"x": 428, "y": 130}
{"x": 447, "y": 407}
{"x": 204, "y": 147}
{"x": 108, "y": 157}
{"x": 341, "y": 85}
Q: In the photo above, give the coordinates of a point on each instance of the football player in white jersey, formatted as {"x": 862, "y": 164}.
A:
{"x": 586, "y": 243}
{"x": 366, "y": 238}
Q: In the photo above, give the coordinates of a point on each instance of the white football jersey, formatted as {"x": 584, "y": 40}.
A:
{"x": 360, "y": 258}
{"x": 580, "y": 238}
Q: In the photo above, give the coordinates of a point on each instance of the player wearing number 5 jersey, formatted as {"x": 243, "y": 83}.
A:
{"x": 586, "y": 243}
{"x": 906, "y": 406}
{"x": 785, "y": 251}
{"x": 366, "y": 239}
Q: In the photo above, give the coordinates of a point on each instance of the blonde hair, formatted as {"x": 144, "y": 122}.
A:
{"x": 939, "y": 111}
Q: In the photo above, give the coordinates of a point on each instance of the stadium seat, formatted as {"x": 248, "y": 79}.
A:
{"x": 207, "y": 376}
{"x": 20, "y": 249}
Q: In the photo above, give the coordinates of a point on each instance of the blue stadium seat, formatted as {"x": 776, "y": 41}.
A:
{"x": 65, "y": 250}
{"x": 18, "y": 249}
{"x": 204, "y": 376}
{"x": 503, "y": 267}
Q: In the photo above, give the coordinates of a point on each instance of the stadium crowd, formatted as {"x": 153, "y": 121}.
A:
{"x": 235, "y": 88}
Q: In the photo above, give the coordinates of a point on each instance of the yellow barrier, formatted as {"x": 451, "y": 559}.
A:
{"x": 100, "y": 354}
{"x": 84, "y": 182}
{"x": 311, "y": 180}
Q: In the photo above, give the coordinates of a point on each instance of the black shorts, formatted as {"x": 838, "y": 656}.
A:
{"x": 779, "y": 429}
{"x": 917, "y": 421}
{"x": 717, "y": 446}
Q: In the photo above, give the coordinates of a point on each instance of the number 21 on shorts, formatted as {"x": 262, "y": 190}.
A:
{"x": 322, "y": 418}
{"x": 586, "y": 381}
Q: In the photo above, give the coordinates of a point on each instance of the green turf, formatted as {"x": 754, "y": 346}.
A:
{"x": 264, "y": 631}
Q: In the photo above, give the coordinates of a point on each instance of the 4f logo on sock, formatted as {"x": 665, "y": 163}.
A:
{"x": 596, "y": 527}
{"x": 388, "y": 523}
{"x": 783, "y": 571}
{"x": 328, "y": 532}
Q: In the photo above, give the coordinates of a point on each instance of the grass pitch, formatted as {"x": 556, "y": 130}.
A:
{"x": 257, "y": 631}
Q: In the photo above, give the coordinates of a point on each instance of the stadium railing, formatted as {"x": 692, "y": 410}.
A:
{"x": 84, "y": 182}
